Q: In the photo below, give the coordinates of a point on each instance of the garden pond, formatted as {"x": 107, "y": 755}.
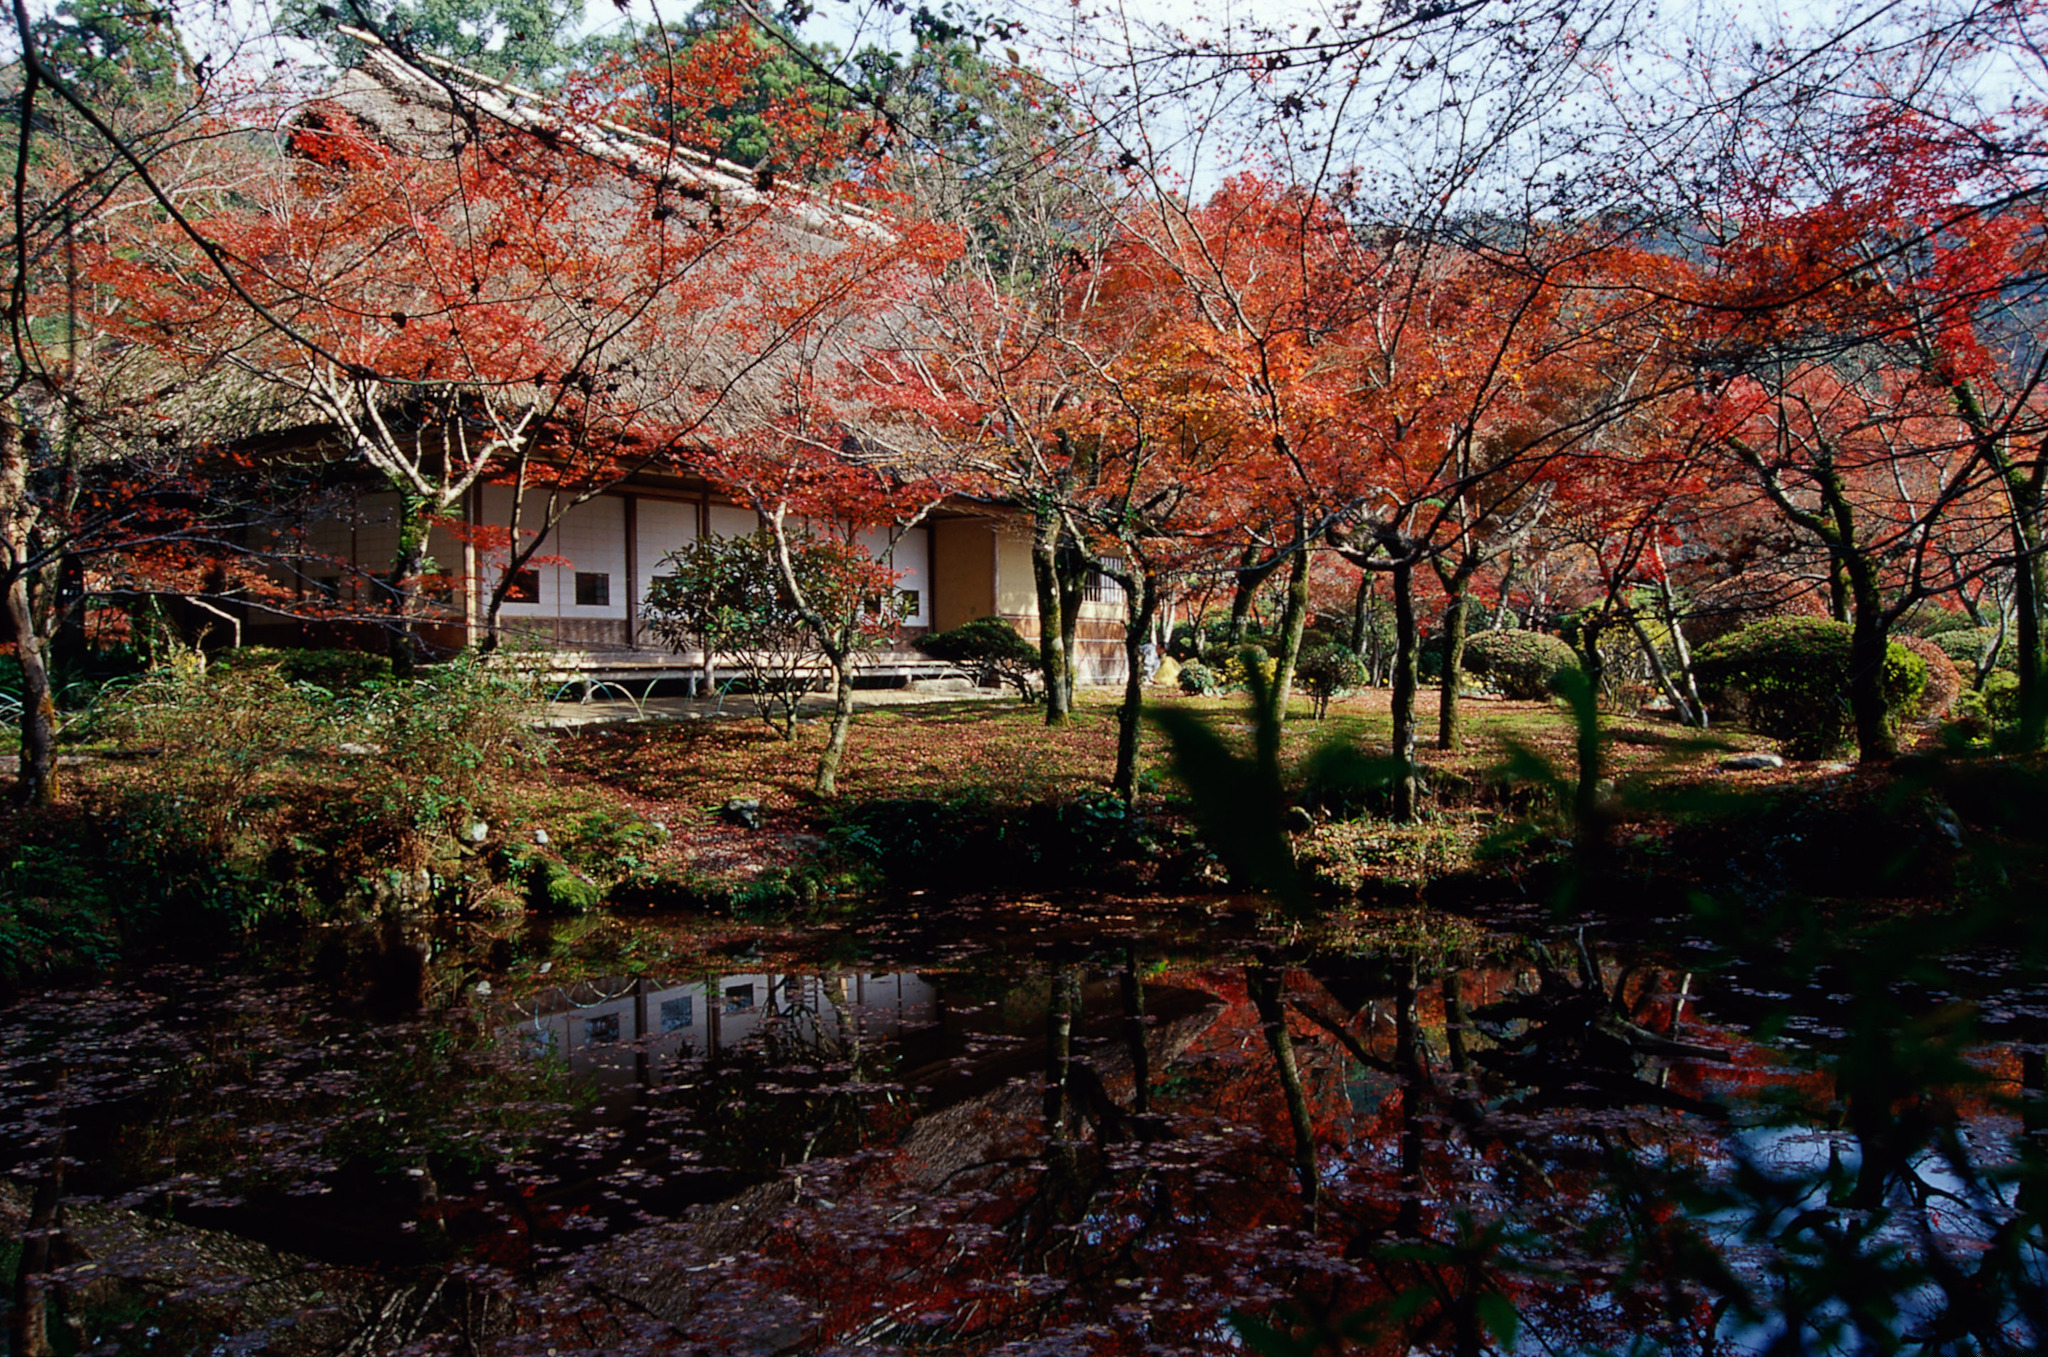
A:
{"x": 1081, "y": 1126}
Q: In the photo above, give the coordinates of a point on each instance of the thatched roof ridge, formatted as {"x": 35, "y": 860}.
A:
{"x": 420, "y": 101}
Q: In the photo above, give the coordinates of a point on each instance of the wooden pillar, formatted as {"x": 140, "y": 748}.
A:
{"x": 632, "y": 571}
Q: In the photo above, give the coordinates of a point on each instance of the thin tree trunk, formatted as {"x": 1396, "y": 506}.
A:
{"x": 1503, "y": 610}
{"x": 1141, "y": 608}
{"x": 841, "y": 728}
{"x": 1661, "y": 672}
{"x": 1869, "y": 640}
{"x": 1073, "y": 588}
{"x": 1052, "y": 655}
{"x": 1361, "y": 612}
{"x": 403, "y": 579}
{"x": 2029, "y": 587}
{"x": 1248, "y": 582}
{"x": 1456, "y": 618}
{"x": 1406, "y": 680}
{"x": 36, "y": 782}
{"x": 1667, "y": 603}
{"x": 1590, "y": 658}
{"x": 1293, "y": 621}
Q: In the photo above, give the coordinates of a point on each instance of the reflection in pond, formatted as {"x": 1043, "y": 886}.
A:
{"x": 587, "y": 1024}
{"x": 1519, "y": 1144}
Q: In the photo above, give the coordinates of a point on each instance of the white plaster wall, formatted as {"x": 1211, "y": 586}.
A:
{"x": 591, "y": 537}
{"x": 730, "y": 520}
{"x": 663, "y": 526}
{"x": 911, "y": 561}
{"x": 497, "y": 508}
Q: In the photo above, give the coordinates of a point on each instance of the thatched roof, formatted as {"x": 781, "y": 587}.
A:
{"x": 427, "y": 105}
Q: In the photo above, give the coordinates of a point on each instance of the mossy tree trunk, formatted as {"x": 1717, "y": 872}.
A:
{"x": 1361, "y": 614}
{"x": 1141, "y": 609}
{"x": 1052, "y": 652}
{"x": 36, "y": 781}
{"x": 1073, "y": 579}
{"x": 841, "y": 729}
{"x": 1293, "y": 621}
{"x": 1397, "y": 556}
{"x": 1407, "y": 679}
{"x": 401, "y": 582}
{"x": 1457, "y": 624}
{"x": 1250, "y": 575}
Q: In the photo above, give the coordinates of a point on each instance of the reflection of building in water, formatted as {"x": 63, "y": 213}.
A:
{"x": 606, "y": 1026}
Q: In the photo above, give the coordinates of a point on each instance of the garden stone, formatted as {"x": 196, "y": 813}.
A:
{"x": 1745, "y": 763}
{"x": 744, "y": 811}
{"x": 476, "y": 831}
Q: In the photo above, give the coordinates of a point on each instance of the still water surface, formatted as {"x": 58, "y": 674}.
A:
{"x": 1440, "y": 1136}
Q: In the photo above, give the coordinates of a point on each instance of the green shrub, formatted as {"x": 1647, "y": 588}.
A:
{"x": 441, "y": 742}
{"x": 992, "y": 649}
{"x": 1945, "y": 683}
{"x": 1519, "y": 664}
{"x": 333, "y": 671}
{"x": 1791, "y": 676}
{"x": 1199, "y": 680}
{"x": 1212, "y": 639}
{"x": 1980, "y": 713}
{"x": 1326, "y": 670}
{"x": 1964, "y": 645}
{"x": 1235, "y": 676}
{"x": 1933, "y": 622}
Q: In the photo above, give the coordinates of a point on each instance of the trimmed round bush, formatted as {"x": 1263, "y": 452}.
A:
{"x": 1964, "y": 645}
{"x": 1945, "y": 682}
{"x": 1199, "y": 680}
{"x": 1519, "y": 664}
{"x": 985, "y": 638}
{"x": 1791, "y": 677}
{"x": 990, "y": 647}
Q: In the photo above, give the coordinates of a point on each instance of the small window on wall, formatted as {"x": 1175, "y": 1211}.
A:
{"x": 593, "y": 589}
{"x": 525, "y": 587}
{"x": 739, "y": 998}
{"x": 909, "y": 603}
{"x": 601, "y": 1029}
{"x": 677, "y": 1013}
{"x": 1101, "y": 588}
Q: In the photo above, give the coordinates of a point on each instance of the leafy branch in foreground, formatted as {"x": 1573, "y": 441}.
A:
{"x": 1242, "y": 805}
